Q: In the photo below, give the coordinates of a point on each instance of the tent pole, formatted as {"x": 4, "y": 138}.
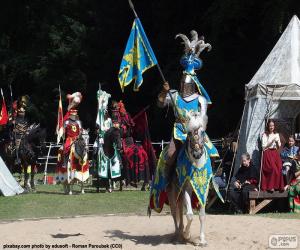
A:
{"x": 234, "y": 153}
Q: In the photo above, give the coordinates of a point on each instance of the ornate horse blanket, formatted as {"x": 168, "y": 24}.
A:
{"x": 109, "y": 167}
{"x": 74, "y": 168}
{"x": 199, "y": 176}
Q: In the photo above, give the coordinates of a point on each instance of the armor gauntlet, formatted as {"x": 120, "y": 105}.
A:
{"x": 163, "y": 94}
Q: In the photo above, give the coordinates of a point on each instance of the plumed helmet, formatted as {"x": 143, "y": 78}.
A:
{"x": 190, "y": 61}
{"x": 121, "y": 107}
{"x": 74, "y": 100}
{"x": 73, "y": 114}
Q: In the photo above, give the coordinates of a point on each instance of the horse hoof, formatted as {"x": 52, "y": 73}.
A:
{"x": 186, "y": 235}
{"x": 25, "y": 191}
{"x": 177, "y": 238}
{"x": 202, "y": 243}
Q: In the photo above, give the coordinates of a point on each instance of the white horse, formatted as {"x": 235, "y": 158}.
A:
{"x": 196, "y": 154}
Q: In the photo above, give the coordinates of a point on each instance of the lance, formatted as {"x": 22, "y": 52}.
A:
{"x": 98, "y": 115}
{"x": 60, "y": 99}
{"x": 11, "y": 100}
{"x": 14, "y": 123}
{"x": 161, "y": 73}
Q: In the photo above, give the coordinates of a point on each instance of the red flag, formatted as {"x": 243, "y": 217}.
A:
{"x": 60, "y": 120}
{"x": 3, "y": 114}
{"x": 141, "y": 132}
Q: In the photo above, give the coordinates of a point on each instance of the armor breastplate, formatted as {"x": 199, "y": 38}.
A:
{"x": 183, "y": 107}
{"x": 19, "y": 130}
{"x": 72, "y": 129}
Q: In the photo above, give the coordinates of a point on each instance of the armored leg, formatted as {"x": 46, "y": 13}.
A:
{"x": 172, "y": 153}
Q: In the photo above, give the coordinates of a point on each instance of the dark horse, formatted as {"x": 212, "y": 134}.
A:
{"x": 30, "y": 149}
{"x": 135, "y": 162}
{"x": 112, "y": 141}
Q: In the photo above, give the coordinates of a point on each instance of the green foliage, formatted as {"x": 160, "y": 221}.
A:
{"x": 79, "y": 43}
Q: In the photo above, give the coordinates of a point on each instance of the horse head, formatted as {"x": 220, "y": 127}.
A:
{"x": 82, "y": 144}
{"x": 113, "y": 137}
{"x": 195, "y": 127}
{"x": 85, "y": 136}
{"x": 36, "y": 136}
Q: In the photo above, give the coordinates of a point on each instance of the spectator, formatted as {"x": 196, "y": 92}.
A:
{"x": 222, "y": 175}
{"x": 288, "y": 154}
{"x": 294, "y": 185}
{"x": 271, "y": 175}
{"x": 290, "y": 151}
{"x": 245, "y": 180}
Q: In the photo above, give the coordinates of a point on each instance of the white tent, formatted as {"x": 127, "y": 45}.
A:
{"x": 8, "y": 185}
{"x": 273, "y": 92}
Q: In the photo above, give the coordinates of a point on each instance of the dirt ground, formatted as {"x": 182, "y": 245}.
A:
{"x": 140, "y": 232}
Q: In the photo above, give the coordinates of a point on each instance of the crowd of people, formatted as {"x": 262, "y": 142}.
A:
{"x": 279, "y": 171}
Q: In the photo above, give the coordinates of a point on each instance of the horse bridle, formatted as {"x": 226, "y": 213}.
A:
{"x": 194, "y": 140}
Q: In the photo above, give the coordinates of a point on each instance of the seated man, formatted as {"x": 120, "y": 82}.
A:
{"x": 287, "y": 155}
{"x": 245, "y": 180}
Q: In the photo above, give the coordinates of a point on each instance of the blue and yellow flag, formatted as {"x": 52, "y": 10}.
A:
{"x": 137, "y": 58}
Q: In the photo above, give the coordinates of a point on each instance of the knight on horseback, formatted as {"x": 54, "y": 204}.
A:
{"x": 184, "y": 168}
{"x": 107, "y": 145}
{"x": 73, "y": 163}
{"x": 25, "y": 143}
{"x": 134, "y": 156}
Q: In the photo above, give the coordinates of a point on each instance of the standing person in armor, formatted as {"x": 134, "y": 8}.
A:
{"x": 191, "y": 97}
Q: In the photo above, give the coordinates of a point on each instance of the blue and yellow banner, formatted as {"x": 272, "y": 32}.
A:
{"x": 137, "y": 58}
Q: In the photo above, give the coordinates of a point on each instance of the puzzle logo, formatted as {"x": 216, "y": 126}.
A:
{"x": 283, "y": 241}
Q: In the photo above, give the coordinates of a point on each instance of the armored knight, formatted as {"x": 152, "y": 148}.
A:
{"x": 103, "y": 121}
{"x": 127, "y": 123}
{"x": 72, "y": 130}
{"x": 115, "y": 114}
{"x": 72, "y": 124}
{"x": 20, "y": 123}
{"x": 191, "y": 97}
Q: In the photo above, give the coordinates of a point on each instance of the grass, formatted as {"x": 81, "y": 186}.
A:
{"x": 280, "y": 215}
{"x": 49, "y": 201}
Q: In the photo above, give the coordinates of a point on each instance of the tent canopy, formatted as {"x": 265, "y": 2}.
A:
{"x": 273, "y": 92}
{"x": 281, "y": 69}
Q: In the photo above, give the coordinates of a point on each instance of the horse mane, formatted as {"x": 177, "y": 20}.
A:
{"x": 35, "y": 133}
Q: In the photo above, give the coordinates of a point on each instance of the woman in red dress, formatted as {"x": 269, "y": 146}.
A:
{"x": 271, "y": 176}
